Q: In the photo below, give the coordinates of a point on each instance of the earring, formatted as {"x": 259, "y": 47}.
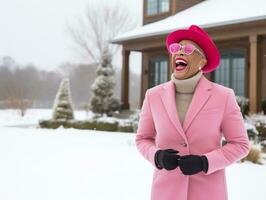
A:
{"x": 199, "y": 68}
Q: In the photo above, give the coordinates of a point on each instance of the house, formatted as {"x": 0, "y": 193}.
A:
{"x": 237, "y": 27}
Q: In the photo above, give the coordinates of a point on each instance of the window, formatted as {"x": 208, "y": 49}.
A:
{"x": 157, "y": 6}
{"x": 164, "y": 6}
{"x": 158, "y": 71}
{"x": 231, "y": 72}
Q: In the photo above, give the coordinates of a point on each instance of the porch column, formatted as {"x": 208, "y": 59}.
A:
{"x": 255, "y": 73}
{"x": 125, "y": 79}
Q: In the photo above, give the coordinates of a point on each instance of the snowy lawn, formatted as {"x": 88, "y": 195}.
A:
{"x": 70, "y": 164}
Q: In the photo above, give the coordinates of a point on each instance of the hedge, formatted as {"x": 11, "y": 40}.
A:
{"x": 87, "y": 124}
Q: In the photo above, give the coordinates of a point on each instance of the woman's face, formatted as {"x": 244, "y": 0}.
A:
{"x": 194, "y": 61}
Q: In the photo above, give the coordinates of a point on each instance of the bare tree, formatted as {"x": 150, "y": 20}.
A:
{"x": 103, "y": 21}
{"x": 19, "y": 86}
{"x": 23, "y": 88}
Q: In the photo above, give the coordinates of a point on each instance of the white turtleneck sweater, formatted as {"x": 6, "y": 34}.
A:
{"x": 184, "y": 92}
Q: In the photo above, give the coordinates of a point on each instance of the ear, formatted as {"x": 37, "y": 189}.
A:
{"x": 203, "y": 62}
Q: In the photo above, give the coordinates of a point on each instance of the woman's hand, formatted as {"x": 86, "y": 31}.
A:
{"x": 193, "y": 164}
{"x": 167, "y": 159}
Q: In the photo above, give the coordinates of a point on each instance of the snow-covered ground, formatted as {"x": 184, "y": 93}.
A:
{"x": 70, "y": 164}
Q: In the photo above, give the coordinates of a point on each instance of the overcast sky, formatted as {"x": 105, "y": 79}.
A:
{"x": 34, "y": 31}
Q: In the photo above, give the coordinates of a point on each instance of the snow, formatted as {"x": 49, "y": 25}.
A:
{"x": 206, "y": 14}
{"x": 72, "y": 164}
{"x": 256, "y": 119}
{"x": 11, "y": 118}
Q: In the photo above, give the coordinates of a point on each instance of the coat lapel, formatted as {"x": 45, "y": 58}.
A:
{"x": 168, "y": 98}
{"x": 201, "y": 95}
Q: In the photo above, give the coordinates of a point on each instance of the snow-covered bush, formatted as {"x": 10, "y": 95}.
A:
{"x": 84, "y": 124}
{"x": 125, "y": 126}
{"x": 54, "y": 124}
{"x": 103, "y": 100}
{"x": 254, "y": 155}
{"x": 106, "y": 123}
{"x": 259, "y": 121}
{"x": 263, "y": 146}
{"x": 107, "y": 126}
{"x": 251, "y": 130}
{"x": 135, "y": 119}
{"x": 263, "y": 105}
{"x": 256, "y": 119}
{"x": 63, "y": 107}
{"x": 243, "y": 103}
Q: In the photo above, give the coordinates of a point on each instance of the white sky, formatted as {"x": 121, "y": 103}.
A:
{"x": 35, "y": 31}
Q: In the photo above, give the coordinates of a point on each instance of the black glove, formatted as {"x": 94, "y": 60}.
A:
{"x": 193, "y": 164}
{"x": 166, "y": 158}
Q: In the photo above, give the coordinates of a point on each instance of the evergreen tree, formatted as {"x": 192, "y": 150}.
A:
{"x": 63, "y": 108}
{"x": 102, "y": 100}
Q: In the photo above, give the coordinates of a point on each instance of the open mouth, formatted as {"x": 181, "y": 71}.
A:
{"x": 180, "y": 64}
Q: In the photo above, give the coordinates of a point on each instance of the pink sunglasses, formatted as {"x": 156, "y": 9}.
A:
{"x": 187, "y": 48}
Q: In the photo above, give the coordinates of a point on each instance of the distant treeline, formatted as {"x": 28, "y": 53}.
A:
{"x": 37, "y": 88}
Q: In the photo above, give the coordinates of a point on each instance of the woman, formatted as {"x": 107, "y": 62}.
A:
{"x": 183, "y": 120}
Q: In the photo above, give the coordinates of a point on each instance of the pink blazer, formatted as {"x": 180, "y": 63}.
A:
{"x": 212, "y": 113}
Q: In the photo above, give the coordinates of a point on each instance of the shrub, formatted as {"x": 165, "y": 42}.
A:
{"x": 53, "y": 124}
{"x": 252, "y": 131}
{"x": 68, "y": 124}
{"x": 243, "y": 103}
{"x": 49, "y": 124}
{"x": 254, "y": 155}
{"x": 126, "y": 126}
{"x": 262, "y": 131}
{"x": 106, "y": 126}
{"x": 97, "y": 123}
{"x": 63, "y": 106}
{"x": 84, "y": 124}
{"x": 135, "y": 119}
{"x": 259, "y": 121}
{"x": 103, "y": 100}
{"x": 263, "y": 105}
{"x": 263, "y": 146}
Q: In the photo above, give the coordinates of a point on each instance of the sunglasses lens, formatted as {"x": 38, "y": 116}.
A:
{"x": 173, "y": 48}
{"x": 189, "y": 48}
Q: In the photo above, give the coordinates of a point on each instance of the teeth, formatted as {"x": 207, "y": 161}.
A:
{"x": 180, "y": 61}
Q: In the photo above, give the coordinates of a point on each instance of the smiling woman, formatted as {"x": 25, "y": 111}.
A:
{"x": 182, "y": 123}
{"x": 180, "y": 64}
{"x": 187, "y": 58}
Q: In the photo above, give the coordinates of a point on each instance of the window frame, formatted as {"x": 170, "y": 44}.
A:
{"x": 157, "y": 9}
{"x": 231, "y": 53}
{"x": 159, "y": 59}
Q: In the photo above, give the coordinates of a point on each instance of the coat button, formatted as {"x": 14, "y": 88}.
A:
{"x": 184, "y": 144}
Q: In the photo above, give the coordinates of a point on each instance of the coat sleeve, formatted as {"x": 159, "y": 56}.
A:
{"x": 233, "y": 129}
{"x": 145, "y": 136}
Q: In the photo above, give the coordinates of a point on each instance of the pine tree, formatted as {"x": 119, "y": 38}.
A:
{"x": 63, "y": 108}
{"x": 102, "y": 100}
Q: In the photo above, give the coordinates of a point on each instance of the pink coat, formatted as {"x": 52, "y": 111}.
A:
{"x": 212, "y": 113}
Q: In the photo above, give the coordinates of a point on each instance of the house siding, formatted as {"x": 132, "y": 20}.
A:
{"x": 175, "y": 7}
{"x": 250, "y": 35}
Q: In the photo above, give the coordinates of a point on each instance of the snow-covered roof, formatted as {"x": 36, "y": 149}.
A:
{"x": 209, "y": 13}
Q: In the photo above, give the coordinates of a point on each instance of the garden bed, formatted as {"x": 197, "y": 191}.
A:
{"x": 88, "y": 124}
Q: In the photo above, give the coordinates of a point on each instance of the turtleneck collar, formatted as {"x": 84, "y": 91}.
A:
{"x": 186, "y": 85}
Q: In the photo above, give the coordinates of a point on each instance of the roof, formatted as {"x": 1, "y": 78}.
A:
{"x": 210, "y": 13}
